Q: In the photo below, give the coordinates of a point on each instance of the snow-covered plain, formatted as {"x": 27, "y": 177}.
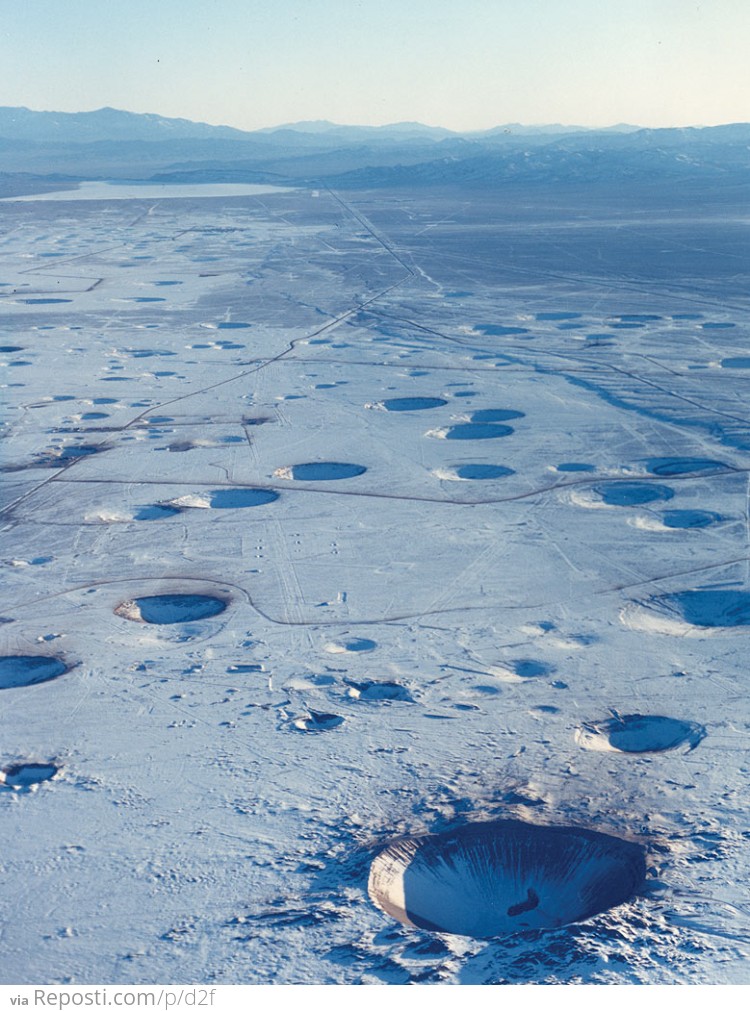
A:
{"x": 526, "y": 597}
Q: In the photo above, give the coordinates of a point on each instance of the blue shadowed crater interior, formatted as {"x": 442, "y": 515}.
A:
{"x": 326, "y": 471}
{"x": 171, "y": 608}
{"x": 23, "y": 775}
{"x": 241, "y": 498}
{"x": 709, "y": 608}
{"x": 502, "y": 877}
{"x": 636, "y": 733}
{"x": 626, "y": 493}
{"x": 493, "y": 414}
{"x": 22, "y": 671}
{"x": 482, "y": 471}
{"x": 671, "y": 466}
{"x": 413, "y": 403}
{"x": 471, "y": 430}
{"x": 688, "y": 519}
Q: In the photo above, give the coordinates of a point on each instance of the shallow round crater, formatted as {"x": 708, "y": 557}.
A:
{"x": 632, "y": 493}
{"x": 472, "y": 430}
{"x": 61, "y": 456}
{"x": 672, "y": 466}
{"x": 378, "y": 691}
{"x": 25, "y": 774}
{"x": 691, "y": 612}
{"x": 317, "y": 722}
{"x": 491, "y": 415}
{"x": 325, "y": 471}
{"x": 22, "y": 671}
{"x": 575, "y": 468}
{"x": 688, "y": 519}
{"x": 156, "y": 512}
{"x": 712, "y": 608}
{"x": 413, "y": 403}
{"x": 481, "y": 471}
{"x": 350, "y": 646}
{"x": 636, "y": 734}
{"x": 171, "y": 608}
{"x": 241, "y": 498}
{"x": 515, "y": 670}
{"x": 498, "y": 878}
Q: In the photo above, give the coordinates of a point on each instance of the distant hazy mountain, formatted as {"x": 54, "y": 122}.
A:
{"x": 110, "y": 143}
{"x": 102, "y": 124}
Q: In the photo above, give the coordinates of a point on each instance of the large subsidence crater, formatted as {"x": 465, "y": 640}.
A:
{"x": 502, "y": 877}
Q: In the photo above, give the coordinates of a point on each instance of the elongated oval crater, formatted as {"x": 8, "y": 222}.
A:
{"x": 324, "y": 471}
{"x": 688, "y": 519}
{"x": 491, "y": 415}
{"x": 241, "y": 498}
{"x": 677, "y": 466}
{"x": 171, "y": 608}
{"x": 22, "y": 671}
{"x": 473, "y": 430}
{"x": 25, "y": 774}
{"x": 487, "y": 880}
{"x": 632, "y": 493}
{"x": 691, "y": 612}
{"x": 413, "y": 403}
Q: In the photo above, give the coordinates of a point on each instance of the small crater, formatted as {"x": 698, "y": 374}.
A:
{"x": 551, "y": 317}
{"x": 317, "y": 722}
{"x": 170, "y": 608}
{"x": 24, "y": 775}
{"x": 632, "y": 493}
{"x": 690, "y": 612}
{"x": 497, "y": 878}
{"x": 320, "y": 471}
{"x": 495, "y": 330}
{"x": 491, "y": 415}
{"x": 636, "y": 734}
{"x": 378, "y": 691}
{"x": 688, "y": 519}
{"x": 471, "y": 430}
{"x": 241, "y": 498}
{"x": 673, "y": 466}
{"x": 61, "y": 456}
{"x": 712, "y": 608}
{"x": 23, "y": 671}
{"x": 574, "y": 468}
{"x": 475, "y": 472}
{"x": 156, "y": 512}
{"x": 413, "y": 403}
{"x": 45, "y": 301}
{"x": 521, "y": 670}
{"x": 350, "y": 646}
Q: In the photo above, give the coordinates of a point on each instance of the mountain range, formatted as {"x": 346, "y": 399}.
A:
{"x": 37, "y": 148}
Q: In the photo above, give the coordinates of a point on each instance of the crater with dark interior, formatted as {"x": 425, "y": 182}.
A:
{"x": 22, "y": 671}
{"x": 171, "y": 608}
{"x": 497, "y": 878}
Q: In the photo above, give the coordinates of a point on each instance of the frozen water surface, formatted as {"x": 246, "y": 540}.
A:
{"x": 348, "y": 638}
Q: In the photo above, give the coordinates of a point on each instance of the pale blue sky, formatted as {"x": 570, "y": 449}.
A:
{"x": 464, "y": 64}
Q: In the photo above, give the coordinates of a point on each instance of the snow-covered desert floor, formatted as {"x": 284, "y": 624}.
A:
{"x": 332, "y": 519}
